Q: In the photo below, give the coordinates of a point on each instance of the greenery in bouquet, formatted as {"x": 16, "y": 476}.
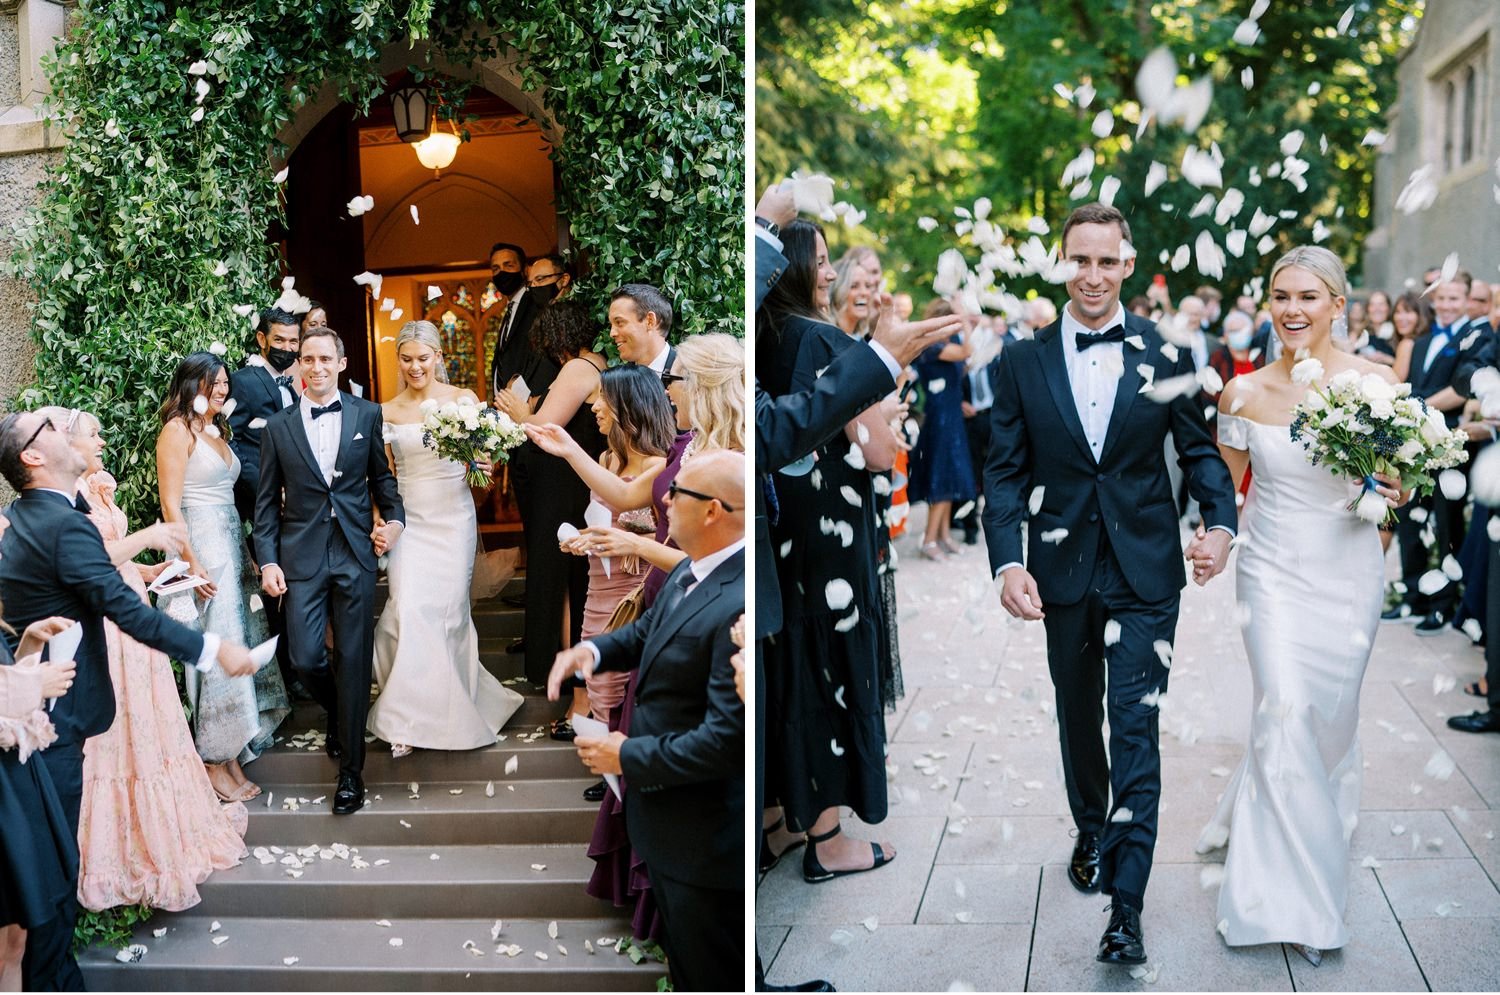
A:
{"x": 1361, "y": 425}
{"x": 468, "y": 433}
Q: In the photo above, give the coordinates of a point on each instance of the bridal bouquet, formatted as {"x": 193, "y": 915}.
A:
{"x": 466, "y": 432}
{"x": 1359, "y": 426}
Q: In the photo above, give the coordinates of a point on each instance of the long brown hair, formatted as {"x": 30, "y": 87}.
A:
{"x": 195, "y": 375}
{"x": 641, "y": 413}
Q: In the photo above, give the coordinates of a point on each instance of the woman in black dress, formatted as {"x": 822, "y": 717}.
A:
{"x": 557, "y": 583}
{"x": 826, "y": 727}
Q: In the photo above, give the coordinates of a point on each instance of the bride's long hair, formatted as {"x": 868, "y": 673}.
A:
{"x": 426, "y": 333}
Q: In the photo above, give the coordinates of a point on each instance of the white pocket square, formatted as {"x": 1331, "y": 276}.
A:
{"x": 358, "y": 436}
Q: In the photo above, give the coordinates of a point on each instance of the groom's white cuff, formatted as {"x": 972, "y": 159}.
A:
{"x": 210, "y": 655}
{"x": 1223, "y": 528}
{"x": 592, "y": 649}
{"x": 1006, "y": 566}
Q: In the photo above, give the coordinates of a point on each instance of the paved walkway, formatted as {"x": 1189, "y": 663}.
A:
{"x": 978, "y": 899}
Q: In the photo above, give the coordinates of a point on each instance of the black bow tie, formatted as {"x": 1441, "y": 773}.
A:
{"x": 320, "y": 412}
{"x": 1115, "y": 334}
{"x": 284, "y": 381}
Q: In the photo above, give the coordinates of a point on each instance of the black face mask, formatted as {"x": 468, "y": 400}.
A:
{"x": 543, "y": 295}
{"x": 280, "y": 359}
{"x": 508, "y": 283}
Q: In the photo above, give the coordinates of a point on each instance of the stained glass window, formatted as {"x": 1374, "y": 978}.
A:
{"x": 458, "y": 349}
{"x": 489, "y": 298}
{"x": 462, "y": 298}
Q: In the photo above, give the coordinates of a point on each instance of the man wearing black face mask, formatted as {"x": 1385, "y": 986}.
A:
{"x": 547, "y": 280}
{"x": 268, "y": 382}
{"x": 508, "y": 275}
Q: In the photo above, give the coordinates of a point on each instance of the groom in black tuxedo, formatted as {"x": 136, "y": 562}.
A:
{"x": 1073, "y": 441}
{"x": 321, "y": 462}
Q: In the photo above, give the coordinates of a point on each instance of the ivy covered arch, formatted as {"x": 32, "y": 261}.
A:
{"x": 152, "y": 227}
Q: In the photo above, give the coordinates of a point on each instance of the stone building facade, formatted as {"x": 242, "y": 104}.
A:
{"x": 1446, "y": 115}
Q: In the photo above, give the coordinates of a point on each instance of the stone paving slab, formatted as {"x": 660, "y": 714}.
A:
{"x": 978, "y": 717}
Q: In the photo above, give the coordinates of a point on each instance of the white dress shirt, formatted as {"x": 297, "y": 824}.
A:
{"x": 1440, "y": 340}
{"x": 659, "y": 364}
{"x": 287, "y": 398}
{"x": 323, "y": 434}
{"x": 1094, "y": 380}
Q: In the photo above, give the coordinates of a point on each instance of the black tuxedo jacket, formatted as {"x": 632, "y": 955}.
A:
{"x": 1476, "y": 351}
{"x": 1444, "y": 369}
{"x": 1037, "y": 440}
{"x": 513, "y": 353}
{"x": 685, "y": 751}
{"x": 295, "y": 508}
{"x": 255, "y": 395}
{"x": 53, "y": 562}
{"x": 789, "y": 427}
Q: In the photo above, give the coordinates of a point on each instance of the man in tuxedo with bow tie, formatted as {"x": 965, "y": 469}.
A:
{"x": 1075, "y": 443}
{"x": 266, "y": 383}
{"x": 55, "y": 567}
{"x": 684, "y": 755}
{"x": 322, "y": 461}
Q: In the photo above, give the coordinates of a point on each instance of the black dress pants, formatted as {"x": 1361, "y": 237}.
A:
{"x": 705, "y": 934}
{"x": 1122, "y": 680}
{"x": 1492, "y": 626}
{"x": 341, "y": 593}
{"x": 48, "y": 964}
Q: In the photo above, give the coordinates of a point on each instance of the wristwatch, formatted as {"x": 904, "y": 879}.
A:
{"x": 771, "y": 227}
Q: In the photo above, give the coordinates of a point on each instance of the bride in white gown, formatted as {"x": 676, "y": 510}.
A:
{"x": 1309, "y": 582}
{"x": 434, "y": 692}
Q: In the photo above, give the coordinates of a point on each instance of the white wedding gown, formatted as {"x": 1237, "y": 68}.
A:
{"x": 434, "y": 692}
{"x": 1310, "y": 579}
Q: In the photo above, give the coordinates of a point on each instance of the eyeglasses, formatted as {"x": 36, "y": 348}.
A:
{"x": 544, "y": 278}
{"x": 675, "y": 489}
{"x": 668, "y": 379}
{"x": 45, "y": 425}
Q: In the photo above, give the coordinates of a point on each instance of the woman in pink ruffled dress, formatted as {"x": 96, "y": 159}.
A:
{"x": 151, "y": 828}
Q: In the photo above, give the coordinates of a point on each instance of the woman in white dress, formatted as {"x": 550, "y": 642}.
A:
{"x": 1309, "y": 580}
{"x": 434, "y": 692}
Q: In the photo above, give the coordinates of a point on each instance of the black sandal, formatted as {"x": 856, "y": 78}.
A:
{"x": 562, "y": 730}
{"x": 1473, "y": 689}
{"x": 815, "y": 873}
{"x": 768, "y": 860}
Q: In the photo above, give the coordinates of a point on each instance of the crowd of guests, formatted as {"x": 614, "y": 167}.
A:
{"x": 112, "y": 796}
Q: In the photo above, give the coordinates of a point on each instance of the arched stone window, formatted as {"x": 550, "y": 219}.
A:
{"x": 1466, "y": 149}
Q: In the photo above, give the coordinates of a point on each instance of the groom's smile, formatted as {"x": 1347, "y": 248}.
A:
{"x": 1097, "y": 250}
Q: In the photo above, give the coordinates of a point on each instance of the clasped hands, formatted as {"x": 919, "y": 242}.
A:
{"x": 1208, "y": 553}
{"x": 600, "y": 542}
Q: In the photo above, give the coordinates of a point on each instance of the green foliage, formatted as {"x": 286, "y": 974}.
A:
{"x": 112, "y": 927}
{"x": 146, "y": 202}
{"x": 923, "y": 106}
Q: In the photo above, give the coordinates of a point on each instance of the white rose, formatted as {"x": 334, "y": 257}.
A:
{"x": 1308, "y": 371}
{"x": 1314, "y": 401}
{"x": 428, "y": 406}
{"x": 1375, "y": 388}
{"x": 1409, "y": 451}
{"x": 1341, "y": 381}
{"x": 1382, "y": 408}
{"x": 1434, "y": 429}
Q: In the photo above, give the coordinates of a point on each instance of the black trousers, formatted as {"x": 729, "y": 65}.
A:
{"x": 1492, "y": 626}
{"x": 1121, "y": 680}
{"x": 549, "y": 493}
{"x": 705, "y": 934}
{"x": 977, "y": 433}
{"x": 342, "y": 593}
{"x": 48, "y": 964}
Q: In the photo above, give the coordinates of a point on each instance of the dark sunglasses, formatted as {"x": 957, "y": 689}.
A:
{"x": 46, "y": 424}
{"x": 668, "y": 379}
{"x": 675, "y": 489}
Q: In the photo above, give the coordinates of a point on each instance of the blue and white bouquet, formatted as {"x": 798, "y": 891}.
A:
{"x": 469, "y": 433}
{"x": 1361, "y": 425}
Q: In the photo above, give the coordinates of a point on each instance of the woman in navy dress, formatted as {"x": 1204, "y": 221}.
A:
{"x": 942, "y": 473}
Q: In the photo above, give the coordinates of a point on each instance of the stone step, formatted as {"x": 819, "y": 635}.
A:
{"x": 404, "y": 881}
{"x": 357, "y": 955}
{"x": 535, "y": 812}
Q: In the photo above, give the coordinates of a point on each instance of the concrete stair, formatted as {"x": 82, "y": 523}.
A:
{"x": 439, "y": 865}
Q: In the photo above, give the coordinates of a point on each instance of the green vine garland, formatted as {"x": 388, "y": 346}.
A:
{"x": 152, "y": 227}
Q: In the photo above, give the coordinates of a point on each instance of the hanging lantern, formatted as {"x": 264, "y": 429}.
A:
{"x": 413, "y": 113}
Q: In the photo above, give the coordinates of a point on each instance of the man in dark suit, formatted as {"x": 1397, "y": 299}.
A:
{"x": 266, "y": 383}
{"x": 684, "y": 755}
{"x": 640, "y": 322}
{"x": 54, "y": 565}
{"x": 1073, "y": 441}
{"x": 1436, "y": 365}
{"x": 322, "y": 461}
{"x": 512, "y": 348}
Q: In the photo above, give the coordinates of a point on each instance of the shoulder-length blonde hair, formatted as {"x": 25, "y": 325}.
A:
{"x": 714, "y": 365}
{"x": 426, "y": 333}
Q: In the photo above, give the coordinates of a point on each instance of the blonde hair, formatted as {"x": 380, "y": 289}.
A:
{"x": 714, "y": 365}
{"x": 426, "y": 333}
{"x": 1318, "y": 261}
{"x": 73, "y": 421}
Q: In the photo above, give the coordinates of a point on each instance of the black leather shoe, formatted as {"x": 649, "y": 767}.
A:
{"x": 1432, "y": 624}
{"x": 1475, "y": 722}
{"x": 1122, "y": 942}
{"x": 349, "y": 797}
{"x": 332, "y": 745}
{"x": 806, "y": 986}
{"x": 1083, "y": 871}
{"x": 595, "y": 792}
{"x": 1401, "y": 611}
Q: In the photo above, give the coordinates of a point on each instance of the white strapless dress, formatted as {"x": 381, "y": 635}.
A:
{"x": 434, "y": 692}
{"x": 1310, "y": 579}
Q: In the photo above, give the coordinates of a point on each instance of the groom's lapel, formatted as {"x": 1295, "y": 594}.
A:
{"x": 346, "y": 434}
{"x": 1129, "y": 387}
{"x": 1055, "y": 373}
{"x": 298, "y": 433}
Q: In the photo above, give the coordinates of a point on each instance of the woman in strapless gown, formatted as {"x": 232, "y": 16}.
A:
{"x": 150, "y": 830}
{"x": 1309, "y": 581}
{"x": 234, "y": 718}
{"x": 434, "y": 691}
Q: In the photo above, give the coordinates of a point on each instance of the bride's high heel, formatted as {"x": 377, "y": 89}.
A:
{"x": 399, "y": 750}
{"x": 1312, "y": 955}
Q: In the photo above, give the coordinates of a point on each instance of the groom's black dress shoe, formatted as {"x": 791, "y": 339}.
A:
{"x": 807, "y": 986}
{"x": 333, "y": 746}
{"x": 1083, "y": 871}
{"x": 1122, "y": 942}
{"x": 350, "y": 795}
{"x": 1475, "y": 722}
